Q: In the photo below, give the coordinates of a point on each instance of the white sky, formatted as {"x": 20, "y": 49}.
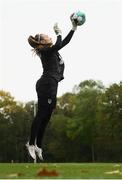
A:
{"x": 95, "y": 52}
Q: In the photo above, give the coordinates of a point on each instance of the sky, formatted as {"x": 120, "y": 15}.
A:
{"x": 95, "y": 51}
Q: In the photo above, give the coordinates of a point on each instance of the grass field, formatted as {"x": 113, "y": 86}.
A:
{"x": 60, "y": 171}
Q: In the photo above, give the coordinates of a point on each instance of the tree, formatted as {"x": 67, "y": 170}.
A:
{"x": 109, "y": 133}
{"x": 14, "y": 123}
{"x": 84, "y": 125}
{"x": 66, "y": 104}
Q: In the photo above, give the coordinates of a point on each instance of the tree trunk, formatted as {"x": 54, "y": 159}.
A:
{"x": 93, "y": 153}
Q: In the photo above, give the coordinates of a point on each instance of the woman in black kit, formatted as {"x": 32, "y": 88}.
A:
{"x": 46, "y": 86}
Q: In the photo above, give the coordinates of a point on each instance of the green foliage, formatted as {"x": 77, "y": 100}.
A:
{"x": 67, "y": 104}
{"x": 86, "y": 125}
{"x": 109, "y": 129}
{"x": 14, "y": 123}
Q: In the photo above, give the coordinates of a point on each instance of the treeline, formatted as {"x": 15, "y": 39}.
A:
{"x": 86, "y": 126}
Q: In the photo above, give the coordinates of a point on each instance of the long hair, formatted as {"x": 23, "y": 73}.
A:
{"x": 35, "y": 43}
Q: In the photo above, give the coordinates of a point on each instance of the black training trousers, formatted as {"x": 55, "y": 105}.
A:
{"x": 46, "y": 88}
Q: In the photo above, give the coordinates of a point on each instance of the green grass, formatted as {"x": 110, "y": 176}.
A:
{"x": 61, "y": 171}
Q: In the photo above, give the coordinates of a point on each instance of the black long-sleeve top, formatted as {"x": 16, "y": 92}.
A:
{"x": 53, "y": 65}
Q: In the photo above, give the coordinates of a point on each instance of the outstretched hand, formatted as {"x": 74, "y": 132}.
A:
{"x": 57, "y": 29}
{"x": 74, "y": 25}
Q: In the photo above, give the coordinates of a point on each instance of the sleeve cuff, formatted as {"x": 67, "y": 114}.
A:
{"x": 74, "y": 28}
{"x": 59, "y": 34}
